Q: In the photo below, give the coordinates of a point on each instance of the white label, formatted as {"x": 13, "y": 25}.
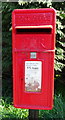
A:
{"x": 33, "y": 70}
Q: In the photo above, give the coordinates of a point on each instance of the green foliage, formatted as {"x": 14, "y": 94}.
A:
{"x": 60, "y": 34}
{"x": 6, "y": 56}
{"x": 47, "y": 2}
{"x": 7, "y": 111}
{"x": 57, "y": 112}
{"x": 59, "y": 56}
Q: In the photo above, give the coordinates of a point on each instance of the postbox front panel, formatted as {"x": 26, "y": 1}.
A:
{"x": 33, "y": 44}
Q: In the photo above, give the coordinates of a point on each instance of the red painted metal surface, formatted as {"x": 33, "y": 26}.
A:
{"x": 33, "y": 39}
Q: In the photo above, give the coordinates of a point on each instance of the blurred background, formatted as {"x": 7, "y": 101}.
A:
{"x": 7, "y": 110}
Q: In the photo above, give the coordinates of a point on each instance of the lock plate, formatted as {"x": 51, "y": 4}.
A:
{"x": 33, "y": 55}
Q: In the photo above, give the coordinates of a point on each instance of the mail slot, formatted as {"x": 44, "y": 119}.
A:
{"x": 33, "y": 49}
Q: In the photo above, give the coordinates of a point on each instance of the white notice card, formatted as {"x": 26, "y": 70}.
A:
{"x": 33, "y": 73}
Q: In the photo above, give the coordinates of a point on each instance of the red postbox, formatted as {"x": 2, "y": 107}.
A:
{"x": 33, "y": 34}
